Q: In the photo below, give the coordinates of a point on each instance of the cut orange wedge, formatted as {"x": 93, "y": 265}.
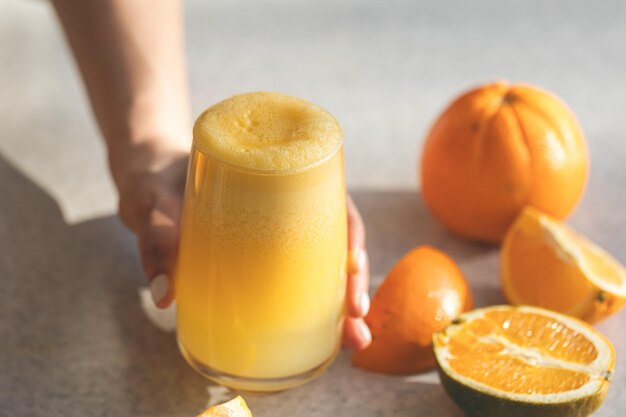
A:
{"x": 236, "y": 407}
{"x": 523, "y": 361}
{"x": 547, "y": 264}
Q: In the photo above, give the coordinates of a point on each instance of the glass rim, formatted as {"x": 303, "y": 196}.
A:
{"x": 268, "y": 172}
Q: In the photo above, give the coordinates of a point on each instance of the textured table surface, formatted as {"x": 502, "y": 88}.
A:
{"x": 74, "y": 337}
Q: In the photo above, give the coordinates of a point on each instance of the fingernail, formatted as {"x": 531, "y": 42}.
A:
{"x": 357, "y": 260}
{"x": 159, "y": 287}
{"x": 364, "y": 303}
{"x": 364, "y": 331}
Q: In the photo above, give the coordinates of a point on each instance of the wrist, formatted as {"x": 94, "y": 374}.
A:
{"x": 133, "y": 159}
{"x": 152, "y": 130}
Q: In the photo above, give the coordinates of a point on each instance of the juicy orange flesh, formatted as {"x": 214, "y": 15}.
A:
{"x": 551, "y": 337}
{"x": 510, "y": 374}
{"x": 539, "y": 270}
{"x": 497, "y": 350}
{"x": 597, "y": 263}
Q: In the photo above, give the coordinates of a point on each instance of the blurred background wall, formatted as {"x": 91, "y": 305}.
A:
{"x": 384, "y": 68}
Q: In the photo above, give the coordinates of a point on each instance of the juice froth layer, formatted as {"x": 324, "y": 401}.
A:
{"x": 268, "y": 132}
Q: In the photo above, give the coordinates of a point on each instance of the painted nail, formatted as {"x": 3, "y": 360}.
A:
{"x": 159, "y": 287}
{"x": 358, "y": 259}
{"x": 364, "y": 331}
{"x": 364, "y": 303}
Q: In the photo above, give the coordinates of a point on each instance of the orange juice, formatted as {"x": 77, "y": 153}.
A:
{"x": 260, "y": 280}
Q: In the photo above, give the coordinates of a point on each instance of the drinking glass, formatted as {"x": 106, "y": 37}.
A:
{"x": 261, "y": 270}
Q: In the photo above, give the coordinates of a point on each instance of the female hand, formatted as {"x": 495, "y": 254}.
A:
{"x": 131, "y": 58}
{"x": 151, "y": 198}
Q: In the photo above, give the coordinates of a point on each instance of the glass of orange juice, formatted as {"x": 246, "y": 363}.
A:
{"x": 260, "y": 279}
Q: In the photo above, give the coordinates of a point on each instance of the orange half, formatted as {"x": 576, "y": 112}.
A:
{"x": 506, "y": 360}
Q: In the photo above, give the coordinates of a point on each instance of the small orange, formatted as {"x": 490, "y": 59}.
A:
{"x": 496, "y": 149}
{"x": 421, "y": 294}
{"x": 547, "y": 264}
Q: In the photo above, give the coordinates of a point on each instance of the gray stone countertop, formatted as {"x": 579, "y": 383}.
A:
{"x": 75, "y": 337}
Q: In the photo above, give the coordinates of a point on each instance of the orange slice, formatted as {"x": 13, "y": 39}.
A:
{"x": 523, "y": 361}
{"x": 547, "y": 264}
{"x": 236, "y": 407}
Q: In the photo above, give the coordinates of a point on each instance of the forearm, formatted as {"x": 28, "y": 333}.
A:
{"x": 130, "y": 55}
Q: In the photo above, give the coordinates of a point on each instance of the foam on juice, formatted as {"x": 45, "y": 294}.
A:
{"x": 268, "y": 132}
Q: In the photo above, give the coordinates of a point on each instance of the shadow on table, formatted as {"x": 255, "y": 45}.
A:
{"x": 398, "y": 220}
{"x": 75, "y": 334}
{"x": 75, "y": 339}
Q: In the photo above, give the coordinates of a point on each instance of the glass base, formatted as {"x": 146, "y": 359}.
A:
{"x": 255, "y": 385}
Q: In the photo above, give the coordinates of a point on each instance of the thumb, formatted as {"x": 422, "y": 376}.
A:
{"x": 158, "y": 242}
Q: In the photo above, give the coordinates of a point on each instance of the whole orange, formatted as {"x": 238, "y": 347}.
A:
{"x": 421, "y": 295}
{"x": 496, "y": 149}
